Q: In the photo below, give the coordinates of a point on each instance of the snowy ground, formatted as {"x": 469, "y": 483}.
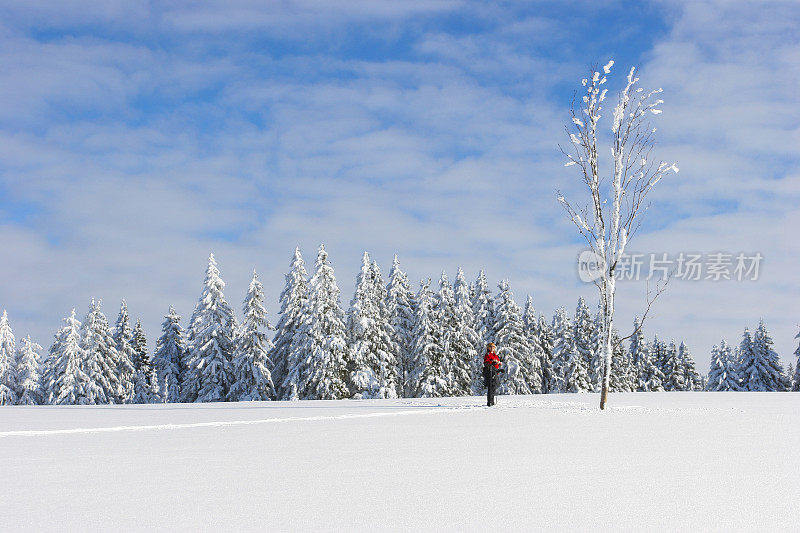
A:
{"x": 655, "y": 461}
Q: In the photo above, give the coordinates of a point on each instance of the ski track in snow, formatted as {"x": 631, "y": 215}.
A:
{"x": 227, "y": 423}
{"x": 574, "y": 407}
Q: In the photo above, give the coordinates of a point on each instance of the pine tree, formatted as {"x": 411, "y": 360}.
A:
{"x": 387, "y": 365}
{"x": 169, "y": 357}
{"x": 654, "y": 377}
{"x": 790, "y": 372}
{"x": 659, "y": 355}
{"x": 563, "y": 348}
{"x": 428, "y": 375}
{"x": 745, "y": 358}
{"x": 761, "y": 369}
{"x": 625, "y": 379}
{"x": 100, "y": 358}
{"x": 455, "y": 370}
{"x": 145, "y": 383}
{"x": 639, "y": 354}
{"x": 400, "y": 306}
{"x": 796, "y": 380}
{"x": 123, "y": 336}
{"x": 673, "y": 369}
{"x": 443, "y": 313}
{"x": 464, "y": 341}
{"x": 584, "y": 335}
{"x": 70, "y": 385}
{"x": 8, "y": 369}
{"x": 690, "y": 376}
{"x": 252, "y": 380}
{"x": 293, "y": 303}
{"x": 483, "y": 309}
{"x": 523, "y": 374}
{"x": 322, "y": 351}
{"x": 649, "y": 375}
{"x": 372, "y": 367}
{"x": 29, "y": 386}
{"x": 546, "y": 341}
{"x": 576, "y": 377}
{"x": 361, "y": 380}
{"x": 208, "y": 375}
{"x": 530, "y": 323}
{"x": 721, "y": 366}
{"x": 621, "y": 367}
{"x": 733, "y": 366}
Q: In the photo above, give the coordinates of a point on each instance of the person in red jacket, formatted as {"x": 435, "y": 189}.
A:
{"x": 491, "y": 368}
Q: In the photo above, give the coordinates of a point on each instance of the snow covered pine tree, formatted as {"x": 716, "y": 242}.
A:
{"x": 585, "y": 345}
{"x": 483, "y": 309}
{"x": 623, "y": 373}
{"x": 457, "y": 347}
{"x": 169, "y": 358}
{"x": 68, "y": 383}
{"x": 690, "y": 376}
{"x": 523, "y": 374}
{"x": 8, "y": 368}
{"x": 649, "y": 375}
{"x": 546, "y": 342}
{"x": 427, "y": 375}
{"x": 371, "y": 367}
{"x": 321, "y": 351}
{"x": 401, "y": 307}
{"x": 673, "y": 369}
{"x": 465, "y": 341}
{"x": 723, "y": 374}
{"x": 530, "y": 323}
{"x": 123, "y": 337}
{"x": 761, "y": 368}
{"x": 285, "y": 353}
{"x": 252, "y": 379}
{"x": 145, "y": 383}
{"x": 208, "y": 377}
{"x": 100, "y": 358}
{"x": 563, "y": 346}
{"x": 29, "y": 386}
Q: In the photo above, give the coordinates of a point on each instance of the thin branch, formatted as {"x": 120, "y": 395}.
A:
{"x": 650, "y": 298}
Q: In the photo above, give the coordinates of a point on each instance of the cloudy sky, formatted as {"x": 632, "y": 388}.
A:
{"x": 135, "y": 139}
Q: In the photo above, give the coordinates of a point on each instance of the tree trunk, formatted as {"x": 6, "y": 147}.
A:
{"x": 606, "y": 368}
{"x": 608, "y": 325}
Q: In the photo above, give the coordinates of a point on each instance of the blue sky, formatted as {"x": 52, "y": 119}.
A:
{"x": 137, "y": 138}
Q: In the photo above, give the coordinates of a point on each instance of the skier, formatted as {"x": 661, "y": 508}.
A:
{"x": 491, "y": 369}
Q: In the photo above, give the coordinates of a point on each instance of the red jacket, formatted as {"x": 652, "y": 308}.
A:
{"x": 492, "y": 359}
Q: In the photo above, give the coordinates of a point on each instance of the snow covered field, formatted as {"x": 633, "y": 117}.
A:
{"x": 654, "y": 461}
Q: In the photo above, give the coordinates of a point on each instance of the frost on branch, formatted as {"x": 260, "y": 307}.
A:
{"x": 617, "y": 198}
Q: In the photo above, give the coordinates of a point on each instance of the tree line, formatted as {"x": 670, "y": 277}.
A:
{"x": 392, "y": 342}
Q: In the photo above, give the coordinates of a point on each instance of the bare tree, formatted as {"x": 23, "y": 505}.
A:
{"x": 612, "y": 215}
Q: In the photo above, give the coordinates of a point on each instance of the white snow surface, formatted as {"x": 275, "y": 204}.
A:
{"x": 653, "y": 461}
